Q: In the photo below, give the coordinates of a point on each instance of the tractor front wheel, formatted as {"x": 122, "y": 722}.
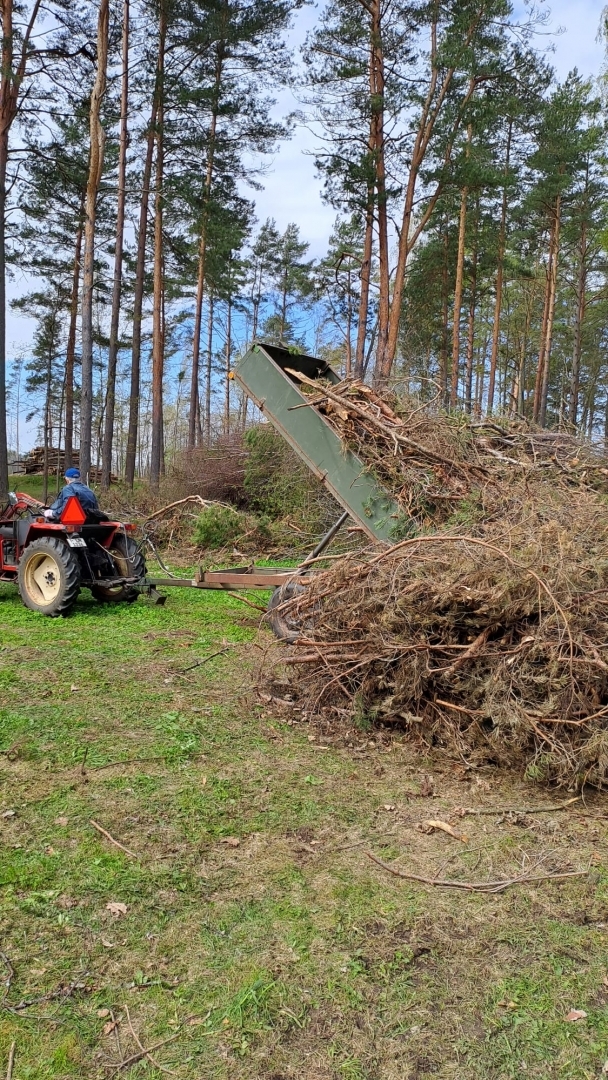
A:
{"x": 129, "y": 562}
{"x": 49, "y": 576}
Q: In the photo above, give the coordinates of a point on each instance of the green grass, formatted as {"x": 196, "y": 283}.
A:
{"x": 32, "y": 485}
{"x": 256, "y": 929}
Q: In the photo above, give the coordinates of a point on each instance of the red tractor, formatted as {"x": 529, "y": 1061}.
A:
{"x": 51, "y": 561}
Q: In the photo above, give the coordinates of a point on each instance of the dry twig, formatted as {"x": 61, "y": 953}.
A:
{"x": 134, "y": 1058}
{"x": 10, "y": 975}
{"x": 204, "y": 660}
{"x": 11, "y": 1061}
{"x": 147, "y": 1053}
{"x": 203, "y": 503}
{"x": 489, "y": 812}
{"x": 108, "y": 836}
{"x": 478, "y": 886}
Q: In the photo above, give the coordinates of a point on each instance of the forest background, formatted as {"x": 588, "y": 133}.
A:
{"x": 468, "y": 256}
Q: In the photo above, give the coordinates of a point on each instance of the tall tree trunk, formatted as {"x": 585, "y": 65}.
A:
{"x": 138, "y": 300}
{"x": 431, "y": 110}
{"x": 47, "y": 421}
{"x": 542, "y": 412}
{"x": 11, "y": 82}
{"x": 59, "y": 434}
{"x": 108, "y": 435}
{"x": 377, "y": 87}
{"x": 158, "y": 330}
{"x": 256, "y": 294}
{"x": 481, "y": 375}
{"x": 366, "y": 273}
{"x": 6, "y": 96}
{"x": 209, "y": 372}
{"x": 97, "y": 134}
{"x": 349, "y": 328}
{"x": 443, "y": 356}
{"x": 499, "y": 276}
{"x": 70, "y": 352}
{"x": 194, "y": 416}
{"x": 543, "y": 335}
{"x": 579, "y": 316}
{"x": 468, "y": 382}
{"x": 368, "y": 239}
{"x": 228, "y": 355}
{"x": 462, "y": 225}
{"x": 519, "y": 382}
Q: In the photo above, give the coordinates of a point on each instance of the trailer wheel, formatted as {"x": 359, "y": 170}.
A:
{"x": 282, "y": 623}
{"x": 129, "y": 562}
{"x": 49, "y": 576}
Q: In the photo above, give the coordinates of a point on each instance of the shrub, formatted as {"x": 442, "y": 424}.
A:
{"x": 278, "y": 485}
{"x": 216, "y": 526}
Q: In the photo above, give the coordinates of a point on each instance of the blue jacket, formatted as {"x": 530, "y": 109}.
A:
{"x": 86, "y": 498}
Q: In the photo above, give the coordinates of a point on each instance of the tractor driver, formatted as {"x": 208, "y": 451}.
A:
{"x": 74, "y": 486}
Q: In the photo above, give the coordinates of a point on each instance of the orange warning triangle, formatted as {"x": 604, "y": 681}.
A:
{"x": 73, "y": 514}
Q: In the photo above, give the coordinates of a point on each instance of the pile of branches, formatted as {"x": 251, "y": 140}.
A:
{"x": 441, "y": 468}
{"x": 488, "y": 635}
{"x": 214, "y": 472}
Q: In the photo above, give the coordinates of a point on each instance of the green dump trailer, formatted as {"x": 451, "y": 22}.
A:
{"x": 268, "y": 375}
{"x": 265, "y": 374}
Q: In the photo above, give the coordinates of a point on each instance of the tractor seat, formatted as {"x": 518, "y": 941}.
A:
{"x": 95, "y": 517}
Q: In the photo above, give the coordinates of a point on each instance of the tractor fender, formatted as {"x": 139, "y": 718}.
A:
{"x": 27, "y": 531}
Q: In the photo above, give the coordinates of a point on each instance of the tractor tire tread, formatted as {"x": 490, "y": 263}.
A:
{"x": 71, "y": 567}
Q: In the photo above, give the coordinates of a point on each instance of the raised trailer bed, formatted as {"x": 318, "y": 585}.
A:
{"x": 269, "y": 376}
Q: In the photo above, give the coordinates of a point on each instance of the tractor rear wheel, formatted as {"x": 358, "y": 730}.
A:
{"x": 129, "y": 562}
{"x": 49, "y": 576}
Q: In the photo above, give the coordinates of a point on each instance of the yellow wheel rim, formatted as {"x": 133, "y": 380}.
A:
{"x": 42, "y": 578}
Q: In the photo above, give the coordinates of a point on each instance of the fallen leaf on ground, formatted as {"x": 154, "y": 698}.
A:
{"x": 605, "y": 1067}
{"x": 108, "y": 944}
{"x": 8, "y": 813}
{"x": 444, "y": 827}
{"x": 116, "y": 908}
{"x": 74, "y": 689}
{"x": 102, "y": 1013}
{"x": 389, "y": 806}
{"x": 577, "y": 1014}
{"x": 203, "y": 781}
{"x": 61, "y": 821}
{"x": 232, "y": 841}
{"x": 109, "y": 1027}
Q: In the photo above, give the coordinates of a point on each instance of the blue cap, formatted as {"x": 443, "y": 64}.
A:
{"x": 72, "y": 474}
